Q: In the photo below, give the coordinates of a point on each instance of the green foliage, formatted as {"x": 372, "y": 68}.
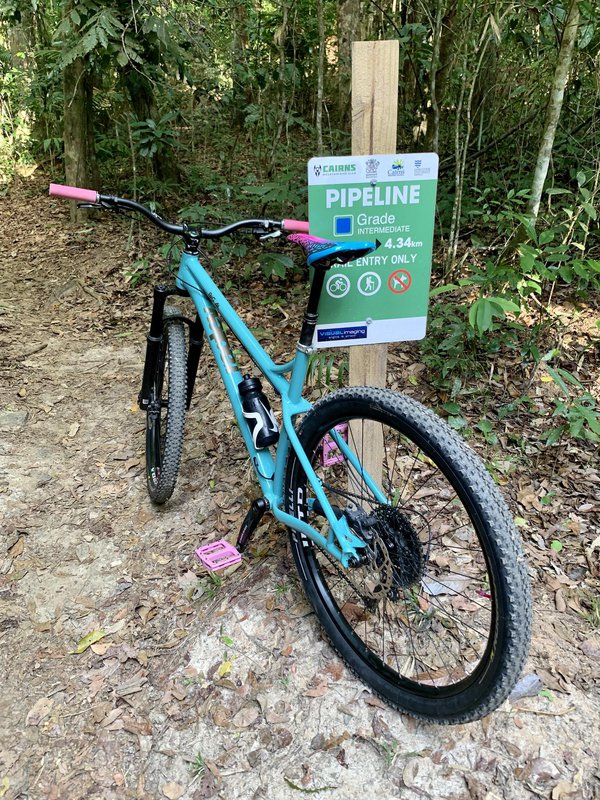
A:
{"x": 149, "y": 270}
{"x": 155, "y": 137}
{"x": 275, "y": 264}
{"x": 485, "y": 309}
{"x": 327, "y": 370}
{"x": 574, "y": 406}
{"x": 198, "y": 765}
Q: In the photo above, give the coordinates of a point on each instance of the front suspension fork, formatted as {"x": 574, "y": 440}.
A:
{"x": 154, "y": 341}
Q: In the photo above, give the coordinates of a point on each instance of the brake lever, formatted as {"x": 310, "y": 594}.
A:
{"x": 261, "y": 236}
{"x": 102, "y": 206}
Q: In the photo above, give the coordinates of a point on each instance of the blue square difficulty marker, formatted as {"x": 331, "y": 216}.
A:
{"x": 342, "y": 226}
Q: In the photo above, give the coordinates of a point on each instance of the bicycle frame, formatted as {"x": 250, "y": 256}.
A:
{"x": 212, "y": 306}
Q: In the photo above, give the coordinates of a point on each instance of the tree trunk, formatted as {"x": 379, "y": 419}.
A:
{"x": 561, "y": 74}
{"x": 80, "y": 157}
{"x": 441, "y": 63}
{"x": 348, "y": 24}
{"x": 320, "y": 77}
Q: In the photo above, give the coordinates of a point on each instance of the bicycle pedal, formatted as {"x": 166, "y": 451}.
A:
{"x": 330, "y": 454}
{"x": 218, "y": 555}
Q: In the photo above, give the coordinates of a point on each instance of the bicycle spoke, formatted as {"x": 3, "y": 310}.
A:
{"x": 423, "y": 637}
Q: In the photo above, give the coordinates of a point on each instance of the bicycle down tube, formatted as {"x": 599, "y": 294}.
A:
{"x": 211, "y": 306}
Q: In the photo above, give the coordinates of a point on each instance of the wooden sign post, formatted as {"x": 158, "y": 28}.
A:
{"x": 374, "y": 128}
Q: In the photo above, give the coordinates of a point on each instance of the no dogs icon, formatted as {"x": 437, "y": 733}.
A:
{"x": 399, "y": 281}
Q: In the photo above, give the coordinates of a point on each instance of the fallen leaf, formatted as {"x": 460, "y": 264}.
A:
{"x": 73, "y": 429}
{"x": 139, "y": 727}
{"x": 172, "y": 790}
{"x": 101, "y": 710}
{"x": 562, "y": 791}
{"x": 131, "y": 686}
{"x": 224, "y": 668}
{"x": 39, "y": 711}
{"x": 221, "y": 716}
{"x": 17, "y": 548}
{"x": 179, "y": 693}
{"x": 246, "y": 716}
{"x": 591, "y": 648}
{"x": 335, "y": 669}
{"x": 111, "y": 717}
{"x": 317, "y": 691}
{"x": 410, "y": 771}
{"x": 101, "y": 649}
{"x": 88, "y": 640}
{"x": 373, "y": 700}
{"x": 4, "y": 786}
{"x": 96, "y": 684}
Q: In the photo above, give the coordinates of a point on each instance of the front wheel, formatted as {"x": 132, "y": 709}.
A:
{"x": 165, "y": 414}
{"x": 436, "y": 617}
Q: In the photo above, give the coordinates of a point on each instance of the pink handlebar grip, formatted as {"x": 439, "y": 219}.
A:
{"x": 295, "y": 226}
{"x": 73, "y": 193}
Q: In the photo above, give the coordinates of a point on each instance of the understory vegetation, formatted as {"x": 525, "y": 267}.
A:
{"x": 212, "y": 110}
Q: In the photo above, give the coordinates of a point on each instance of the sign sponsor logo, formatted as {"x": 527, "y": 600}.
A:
{"x": 397, "y": 170}
{"x": 342, "y": 333}
{"x": 371, "y": 166}
{"x": 420, "y": 169}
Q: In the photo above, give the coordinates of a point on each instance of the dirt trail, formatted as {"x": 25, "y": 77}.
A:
{"x": 198, "y": 689}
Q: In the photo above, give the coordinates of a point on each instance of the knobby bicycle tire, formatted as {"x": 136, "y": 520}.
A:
{"x": 436, "y": 620}
{"x": 165, "y": 416}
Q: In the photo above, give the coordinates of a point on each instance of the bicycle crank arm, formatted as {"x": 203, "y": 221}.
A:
{"x": 251, "y": 522}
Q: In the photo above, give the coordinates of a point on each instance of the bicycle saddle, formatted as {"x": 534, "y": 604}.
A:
{"x": 322, "y": 253}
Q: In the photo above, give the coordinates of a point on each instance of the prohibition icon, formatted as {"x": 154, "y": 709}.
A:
{"x": 399, "y": 281}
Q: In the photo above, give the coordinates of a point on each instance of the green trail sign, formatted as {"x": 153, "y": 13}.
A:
{"x": 382, "y": 297}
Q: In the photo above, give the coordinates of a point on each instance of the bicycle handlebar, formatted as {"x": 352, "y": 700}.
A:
{"x": 110, "y": 202}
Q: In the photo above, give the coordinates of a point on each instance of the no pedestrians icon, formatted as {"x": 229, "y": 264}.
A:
{"x": 399, "y": 281}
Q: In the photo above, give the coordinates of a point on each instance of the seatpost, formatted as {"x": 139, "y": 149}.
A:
{"x": 311, "y": 314}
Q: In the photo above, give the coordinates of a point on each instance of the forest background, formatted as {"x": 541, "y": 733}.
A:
{"x": 212, "y": 109}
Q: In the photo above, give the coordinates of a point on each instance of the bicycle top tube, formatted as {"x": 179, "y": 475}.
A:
{"x": 89, "y": 198}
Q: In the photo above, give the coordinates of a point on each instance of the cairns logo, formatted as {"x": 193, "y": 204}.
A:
{"x": 397, "y": 169}
{"x": 334, "y": 169}
{"x": 349, "y": 169}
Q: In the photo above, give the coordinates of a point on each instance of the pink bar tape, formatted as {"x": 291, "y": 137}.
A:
{"x": 296, "y": 225}
{"x": 218, "y": 555}
{"x": 73, "y": 193}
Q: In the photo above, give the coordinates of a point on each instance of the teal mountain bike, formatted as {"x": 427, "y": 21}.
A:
{"x": 412, "y": 565}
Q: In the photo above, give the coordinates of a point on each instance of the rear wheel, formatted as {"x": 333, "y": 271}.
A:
{"x": 436, "y": 618}
{"x": 165, "y": 415}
